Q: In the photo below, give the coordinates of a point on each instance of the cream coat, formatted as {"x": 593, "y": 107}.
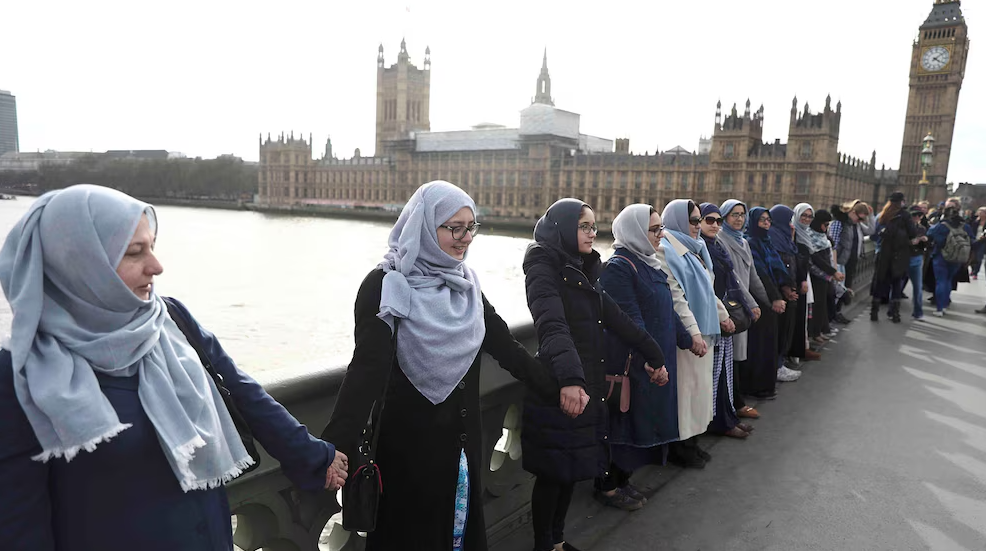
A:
{"x": 694, "y": 373}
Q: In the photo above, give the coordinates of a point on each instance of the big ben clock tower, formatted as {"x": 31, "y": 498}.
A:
{"x": 937, "y": 69}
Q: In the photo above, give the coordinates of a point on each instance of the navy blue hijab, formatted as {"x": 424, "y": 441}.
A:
{"x": 765, "y": 257}
{"x": 780, "y": 230}
{"x": 557, "y": 229}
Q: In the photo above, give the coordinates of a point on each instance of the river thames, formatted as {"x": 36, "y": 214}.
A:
{"x": 278, "y": 290}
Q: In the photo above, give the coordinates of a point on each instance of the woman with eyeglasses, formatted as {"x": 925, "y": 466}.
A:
{"x": 764, "y": 366}
{"x": 571, "y": 318}
{"x": 811, "y": 228}
{"x": 633, "y": 277}
{"x": 688, "y": 263}
{"x": 733, "y": 238}
{"x": 422, "y": 324}
{"x": 724, "y": 420}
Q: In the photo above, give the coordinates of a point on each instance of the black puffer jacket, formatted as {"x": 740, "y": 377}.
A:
{"x": 570, "y": 317}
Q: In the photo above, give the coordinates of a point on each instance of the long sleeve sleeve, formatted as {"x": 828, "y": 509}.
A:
{"x": 868, "y": 225}
{"x": 772, "y": 291}
{"x": 25, "y": 506}
{"x": 619, "y": 281}
{"x": 757, "y": 288}
{"x": 304, "y": 459}
{"x": 835, "y": 231}
{"x": 512, "y": 356}
{"x": 678, "y": 299}
{"x": 366, "y": 376}
{"x": 555, "y": 344}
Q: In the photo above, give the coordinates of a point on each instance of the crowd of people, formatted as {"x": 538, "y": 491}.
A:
{"x": 124, "y": 418}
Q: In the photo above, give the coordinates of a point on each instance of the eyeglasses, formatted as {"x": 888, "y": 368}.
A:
{"x": 713, "y": 220}
{"x": 737, "y": 215}
{"x": 459, "y": 232}
{"x": 765, "y": 219}
{"x": 807, "y": 216}
{"x": 656, "y": 230}
{"x": 694, "y": 221}
{"x": 588, "y": 228}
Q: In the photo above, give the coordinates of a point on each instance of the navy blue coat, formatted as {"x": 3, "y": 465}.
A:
{"x": 124, "y": 496}
{"x": 571, "y": 317}
{"x": 643, "y": 294}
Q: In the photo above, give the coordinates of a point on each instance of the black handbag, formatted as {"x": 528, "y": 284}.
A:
{"x": 362, "y": 491}
{"x": 738, "y": 312}
{"x": 246, "y": 435}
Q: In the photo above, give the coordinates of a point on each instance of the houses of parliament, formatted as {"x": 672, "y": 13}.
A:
{"x": 516, "y": 173}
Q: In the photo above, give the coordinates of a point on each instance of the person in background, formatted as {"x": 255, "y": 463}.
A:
{"x": 687, "y": 263}
{"x": 852, "y": 222}
{"x": 978, "y": 224}
{"x": 724, "y": 420}
{"x": 572, "y": 318}
{"x": 115, "y": 436}
{"x": 952, "y": 239}
{"x": 896, "y": 234}
{"x": 422, "y": 324}
{"x": 733, "y": 238}
{"x": 793, "y": 345}
{"x": 915, "y": 268}
{"x": 634, "y": 278}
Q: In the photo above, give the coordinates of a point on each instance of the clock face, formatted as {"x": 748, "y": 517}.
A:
{"x": 935, "y": 58}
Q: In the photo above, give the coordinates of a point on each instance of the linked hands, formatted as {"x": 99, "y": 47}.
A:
{"x": 778, "y": 306}
{"x": 727, "y": 326}
{"x": 335, "y": 476}
{"x": 699, "y": 348}
{"x": 756, "y": 313}
{"x": 573, "y": 400}
{"x": 657, "y": 376}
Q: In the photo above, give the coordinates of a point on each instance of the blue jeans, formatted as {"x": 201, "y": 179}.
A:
{"x": 977, "y": 258}
{"x": 915, "y": 272}
{"x": 944, "y": 274}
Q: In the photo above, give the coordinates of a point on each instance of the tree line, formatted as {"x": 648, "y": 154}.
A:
{"x": 226, "y": 178}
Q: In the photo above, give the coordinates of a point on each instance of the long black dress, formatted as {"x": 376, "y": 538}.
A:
{"x": 420, "y": 442}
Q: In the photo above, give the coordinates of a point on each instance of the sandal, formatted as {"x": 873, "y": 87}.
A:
{"x": 748, "y": 412}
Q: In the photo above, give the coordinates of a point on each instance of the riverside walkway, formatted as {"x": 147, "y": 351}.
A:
{"x": 880, "y": 446}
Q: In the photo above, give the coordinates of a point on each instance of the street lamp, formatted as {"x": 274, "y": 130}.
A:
{"x": 926, "y": 154}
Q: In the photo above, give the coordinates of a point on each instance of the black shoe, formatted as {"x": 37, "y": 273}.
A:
{"x": 703, "y": 455}
{"x": 568, "y": 547}
{"x": 619, "y": 500}
{"x": 633, "y": 493}
{"x": 689, "y": 461}
{"x": 839, "y": 318}
{"x": 904, "y": 297}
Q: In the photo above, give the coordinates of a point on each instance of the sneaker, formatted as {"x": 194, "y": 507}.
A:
{"x": 619, "y": 500}
{"x": 975, "y": 276}
{"x": 633, "y": 493}
{"x": 786, "y": 375}
{"x": 919, "y": 318}
{"x": 938, "y": 314}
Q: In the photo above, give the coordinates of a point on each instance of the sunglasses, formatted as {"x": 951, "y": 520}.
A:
{"x": 713, "y": 220}
{"x": 694, "y": 221}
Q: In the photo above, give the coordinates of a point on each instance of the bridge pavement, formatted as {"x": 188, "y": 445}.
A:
{"x": 880, "y": 446}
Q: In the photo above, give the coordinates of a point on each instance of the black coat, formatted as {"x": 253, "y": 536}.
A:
{"x": 895, "y": 249}
{"x": 570, "y": 317}
{"x": 420, "y": 442}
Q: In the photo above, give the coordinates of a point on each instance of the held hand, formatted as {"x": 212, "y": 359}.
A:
{"x": 791, "y": 295}
{"x": 804, "y": 287}
{"x": 657, "y": 376}
{"x": 778, "y": 306}
{"x": 336, "y": 474}
{"x": 584, "y": 399}
{"x": 699, "y": 347}
{"x": 727, "y": 326}
{"x": 571, "y": 400}
{"x": 756, "y": 314}
{"x": 839, "y": 276}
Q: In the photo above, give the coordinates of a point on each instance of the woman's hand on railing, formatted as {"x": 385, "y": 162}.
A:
{"x": 335, "y": 476}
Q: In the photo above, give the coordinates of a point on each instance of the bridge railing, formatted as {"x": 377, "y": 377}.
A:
{"x": 271, "y": 514}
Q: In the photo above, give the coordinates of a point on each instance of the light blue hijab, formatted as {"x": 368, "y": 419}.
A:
{"x": 437, "y": 297}
{"x": 695, "y": 279}
{"x": 74, "y": 317}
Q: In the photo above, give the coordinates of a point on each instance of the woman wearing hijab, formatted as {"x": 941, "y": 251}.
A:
{"x": 115, "y": 436}
{"x": 687, "y": 262}
{"x": 761, "y": 370}
{"x": 571, "y": 318}
{"x": 724, "y": 421}
{"x": 896, "y": 233}
{"x": 752, "y": 291}
{"x": 812, "y": 238}
{"x": 421, "y": 324}
{"x": 634, "y": 279}
{"x": 792, "y": 343}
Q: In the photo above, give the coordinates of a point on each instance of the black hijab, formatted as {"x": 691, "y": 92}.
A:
{"x": 557, "y": 229}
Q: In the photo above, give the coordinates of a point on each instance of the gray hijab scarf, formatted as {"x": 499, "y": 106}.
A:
{"x": 437, "y": 297}
{"x": 630, "y": 229}
{"x": 805, "y": 235}
{"x": 74, "y": 317}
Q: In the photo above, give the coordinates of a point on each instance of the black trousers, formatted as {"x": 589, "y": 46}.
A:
{"x": 549, "y": 506}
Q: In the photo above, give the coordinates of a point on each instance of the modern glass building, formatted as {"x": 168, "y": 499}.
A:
{"x": 8, "y": 123}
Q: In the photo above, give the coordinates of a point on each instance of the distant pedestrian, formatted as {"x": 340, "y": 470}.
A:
{"x": 896, "y": 234}
{"x": 952, "y": 239}
{"x": 915, "y": 269}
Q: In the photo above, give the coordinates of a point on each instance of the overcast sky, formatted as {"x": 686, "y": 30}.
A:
{"x": 206, "y": 77}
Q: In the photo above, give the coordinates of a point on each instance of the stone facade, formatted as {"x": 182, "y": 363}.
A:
{"x": 517, "y": 172}
{"x": 938, "y": 59}
{"x": 403, "y": 98}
